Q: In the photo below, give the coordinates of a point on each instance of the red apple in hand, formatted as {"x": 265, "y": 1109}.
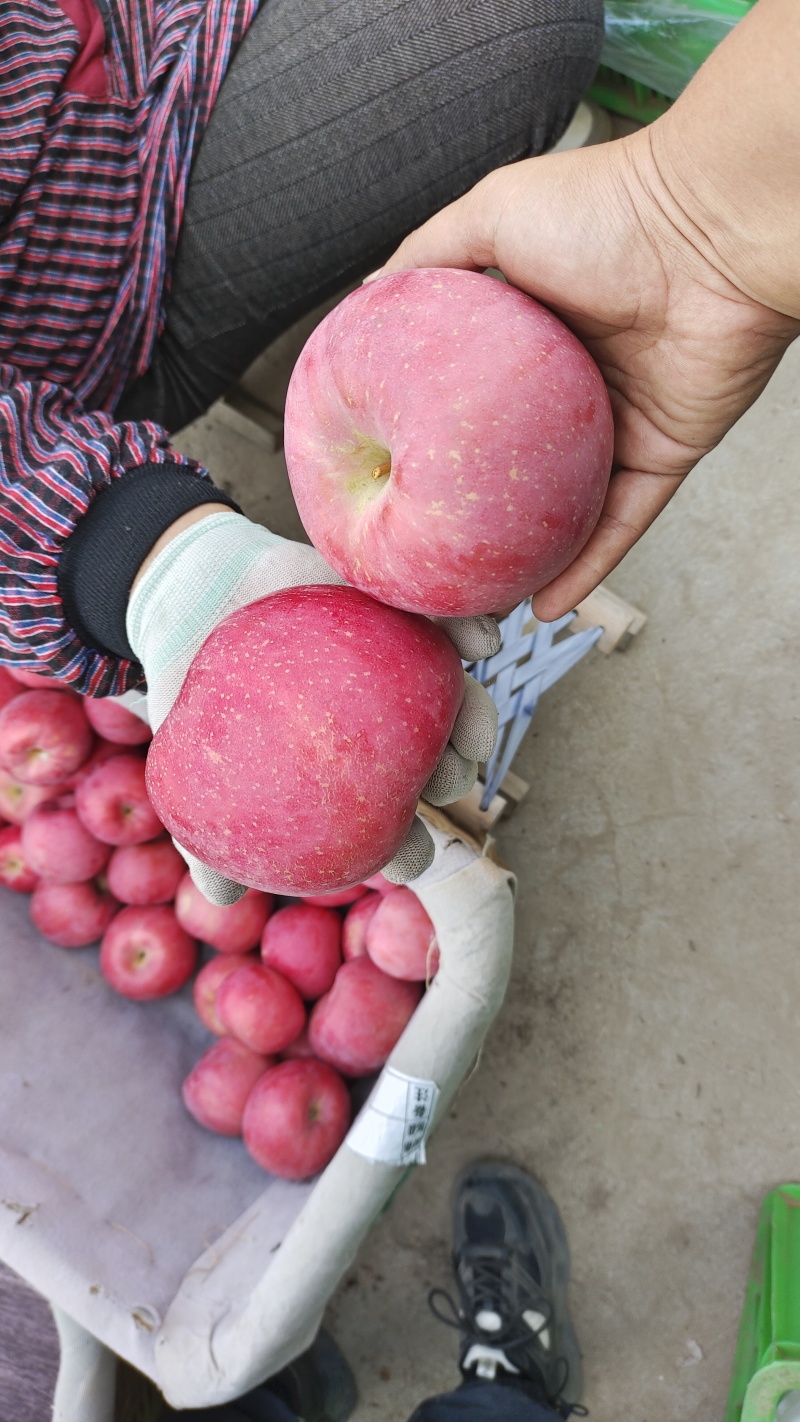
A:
{"x": 72, "y": 915}
{"x": 145, "y": 873}
{"x": 401, "y": 938}
{"x": 448, "y": 442}
{"x": 216, "y": 1090}
{"x": 146, "y": 954}
{"x": 356, "y": 1025}
{"x": 308, "y": 723}
{"x": 114, "y": 722}
{"x": 15, "y": 870}
{"x": 43, "y": 737}
{"x": 207, "y": 985}
{"x": 112, "y": 802}
{"x": 304, "y": 943}
{"x": 296, "y": 1118}
{"x": 57, "y": 845}
{"x": 354, "y": 928}
{"x": 230, "y": 928}
{"x": 261, "y": 1008}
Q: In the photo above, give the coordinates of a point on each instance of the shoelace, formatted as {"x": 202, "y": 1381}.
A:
{"x": 500, "y": 1280}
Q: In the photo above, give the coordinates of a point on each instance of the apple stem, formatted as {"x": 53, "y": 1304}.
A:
{"x": 381, "y": 469}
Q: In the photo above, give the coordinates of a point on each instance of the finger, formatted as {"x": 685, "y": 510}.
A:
{"x": 212, "y": 885}
{"x": 475, "y": 731}
{"x": 453, "y": 777}
{"x": 473, "y": 637}
{"x": 414, "y": 856}
{"x": 633, "y": 501}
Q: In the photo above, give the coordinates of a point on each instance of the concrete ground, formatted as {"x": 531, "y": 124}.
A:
{"x": 646, "y": 1065}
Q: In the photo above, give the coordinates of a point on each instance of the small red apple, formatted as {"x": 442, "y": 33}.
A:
{"x": 299, "y": 1049}
{"x": 207, "y": 983}
{"x": 39, "y": 680}
{"x": 17, "y": 801}
{"x": 260, "y": 1007}
{"x": 145, "y": 873}
{"x": 103, "y": 750}
{"x": 112, "y": 802}
{"x": 146, "y": 954}
{"x": 116, "y": 723}
{"x": 216, "y": 1090}
{"x": 58, "y": 847}
{"x": 379, "y": 883}
{"x": 43, "y": 737}
{"x": 448, "y": 442}
{"x": 337, "y": 899}
{"x": 296, "y": 1118}
{"x": 401, "y": 938}
{"x": 354, "y": 928}
{"x": 15, "y": 870}
{"x": 304, "y": 942}
{"x": 233, "y": 928}
{"x": 72, "y": 915}
{"x": 356, "y": 1024}
{"x": 303, "y": 776}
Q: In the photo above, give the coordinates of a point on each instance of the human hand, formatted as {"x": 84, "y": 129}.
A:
{"x": 222, "y": 562}
{"x": 597, "y": 236}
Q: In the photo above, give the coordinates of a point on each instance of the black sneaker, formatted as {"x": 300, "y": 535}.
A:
{"x": 511, "y": 1263}
{"x": 317, "y": 1387}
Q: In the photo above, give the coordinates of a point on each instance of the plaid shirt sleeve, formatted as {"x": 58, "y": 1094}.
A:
{"x": 55, "y": 457}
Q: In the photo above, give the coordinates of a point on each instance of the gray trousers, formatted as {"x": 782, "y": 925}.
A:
{"x": 340, "y": 126}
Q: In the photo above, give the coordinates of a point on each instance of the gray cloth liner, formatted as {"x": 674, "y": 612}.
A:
{"x": 163, "y": 1241}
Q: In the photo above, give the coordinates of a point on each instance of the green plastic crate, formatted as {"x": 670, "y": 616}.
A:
{"x": 767, "y": 1363}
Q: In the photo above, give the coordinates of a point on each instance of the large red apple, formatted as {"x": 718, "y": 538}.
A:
{"x": 9, "y": 687}
{"x": 448, "y": 442}
{"x": 146, "y": 954}
{"x": 44, "y": 737}
{"x": 230, "y": 928}
{"x": 216, "y": 1090}
{"x": 304, "y": 942}
{"x": 296, "y": 1118}
{"x": 355, "y": 1026}
{"x": 72, "y": 915}
{"x": 15, "y": 870}
{"x": 58, "y": 847}
{"x": 303, "y": 734}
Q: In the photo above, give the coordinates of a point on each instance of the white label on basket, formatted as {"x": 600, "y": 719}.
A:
{"x": 394, "y": 1123}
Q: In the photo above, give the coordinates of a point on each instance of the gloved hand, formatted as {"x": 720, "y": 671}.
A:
{"x": 224, "y": 562}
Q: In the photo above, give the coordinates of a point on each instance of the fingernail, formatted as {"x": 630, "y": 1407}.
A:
{"x": 373, "y": 276}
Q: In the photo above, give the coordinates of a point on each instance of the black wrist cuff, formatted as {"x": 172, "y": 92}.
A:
{"x": 107, "y": 547}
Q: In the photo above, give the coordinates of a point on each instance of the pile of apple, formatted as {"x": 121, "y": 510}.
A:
{"x": 303, "y": 995}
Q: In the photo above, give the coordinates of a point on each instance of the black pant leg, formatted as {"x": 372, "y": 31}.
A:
{"x": 479, "y": 1400}
{"x": 340, "y": 126}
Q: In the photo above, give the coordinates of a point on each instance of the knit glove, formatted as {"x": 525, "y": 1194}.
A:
{"x": 225, "y": 562}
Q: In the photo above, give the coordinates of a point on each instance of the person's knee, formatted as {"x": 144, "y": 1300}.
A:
{"x": 561, "y": 41}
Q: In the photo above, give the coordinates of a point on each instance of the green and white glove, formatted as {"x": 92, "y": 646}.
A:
{"x": 225, "y": 562}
